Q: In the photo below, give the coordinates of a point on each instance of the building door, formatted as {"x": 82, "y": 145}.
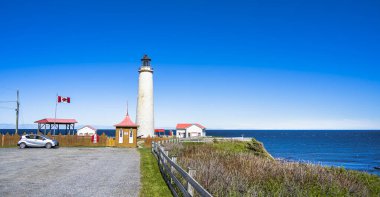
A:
{"x": 121, "y": 136}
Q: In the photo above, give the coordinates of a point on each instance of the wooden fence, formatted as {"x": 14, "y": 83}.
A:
{"x": 148, "y": 141}
{"x": 8, "y": 140}
{"x": 169, "y": 169}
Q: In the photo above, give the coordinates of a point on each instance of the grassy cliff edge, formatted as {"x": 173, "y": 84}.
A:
{"x": 236, "y": 168}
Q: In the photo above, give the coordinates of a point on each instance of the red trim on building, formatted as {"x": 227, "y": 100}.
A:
{"x": 127, "y": 122}
{"x": 187, "y": 125}
{"x": 57, "y": 121}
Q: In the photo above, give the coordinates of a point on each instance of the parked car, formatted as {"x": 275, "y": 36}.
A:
{"x": 32, "y": 140}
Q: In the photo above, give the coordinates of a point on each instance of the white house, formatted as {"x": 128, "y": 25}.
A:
{"x": 186, "y": 130}
{"x": 86, "y": 131}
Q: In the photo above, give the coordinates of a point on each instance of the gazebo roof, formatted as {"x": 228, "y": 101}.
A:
{"x": 56, "y": 121}
{"x": 127, "y": 122}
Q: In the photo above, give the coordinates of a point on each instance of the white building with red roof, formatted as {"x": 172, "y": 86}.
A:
{"x": 86, "y": 131}
{"x": 188, "y": 130}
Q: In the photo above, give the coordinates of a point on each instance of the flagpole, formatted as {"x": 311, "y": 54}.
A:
{"x": 55, "y": 113}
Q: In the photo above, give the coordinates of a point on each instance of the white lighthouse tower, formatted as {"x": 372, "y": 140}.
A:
{"x": 145, "y": 107}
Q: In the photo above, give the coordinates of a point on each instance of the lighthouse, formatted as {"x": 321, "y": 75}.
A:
{"x": 145, "y": 107}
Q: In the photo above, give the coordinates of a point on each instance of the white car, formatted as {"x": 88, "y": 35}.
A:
{"x": 36, "y": 141}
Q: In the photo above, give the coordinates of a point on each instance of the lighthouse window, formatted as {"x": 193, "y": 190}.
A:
{"x": 130, "y": 133}
{"x": 120, "y": 133}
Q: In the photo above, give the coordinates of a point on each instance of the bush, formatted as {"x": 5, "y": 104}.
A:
{"x": 258, "y": 148}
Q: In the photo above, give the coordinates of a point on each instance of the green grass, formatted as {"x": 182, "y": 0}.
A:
{"x": 255, "y": 147}
{"x": 152, "y": 183}
{"x": 231, "y": 146}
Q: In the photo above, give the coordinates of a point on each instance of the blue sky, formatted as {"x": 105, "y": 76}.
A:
{"x": 225, "y": 64}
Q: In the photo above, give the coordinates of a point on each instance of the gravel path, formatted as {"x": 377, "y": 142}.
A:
{"x": 69, "y": 172}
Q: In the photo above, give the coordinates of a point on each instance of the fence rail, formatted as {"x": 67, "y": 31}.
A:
{"x": 169, "y": 168}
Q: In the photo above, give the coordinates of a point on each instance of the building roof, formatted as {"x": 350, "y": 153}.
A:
{"x": 187, "y": 125}
{"x": 88, "y": 127}
{"x": 159, "y": 130}
{"x": 127, "y": 122}
{"x": 56, "y": 121}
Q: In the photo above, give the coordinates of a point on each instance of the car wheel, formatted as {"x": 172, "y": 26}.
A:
{"x": 48, "y": 145}
{"x": 22, "y": 145}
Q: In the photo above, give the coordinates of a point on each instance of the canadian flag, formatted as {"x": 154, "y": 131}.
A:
{"x": 62, "y": 99}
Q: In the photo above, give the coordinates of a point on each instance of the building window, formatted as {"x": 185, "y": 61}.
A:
{"x": 121, "y": 140}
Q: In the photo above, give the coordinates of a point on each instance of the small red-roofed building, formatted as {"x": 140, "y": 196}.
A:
{"x": 188, "y": 130}
{"x": 126, "y": 133}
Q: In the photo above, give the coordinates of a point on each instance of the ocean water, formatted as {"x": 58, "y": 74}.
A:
{"x": 357, "y": 150}
{"x": 351, "y": 149}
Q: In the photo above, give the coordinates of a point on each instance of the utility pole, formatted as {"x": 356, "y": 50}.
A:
{"x": 17, "y": 110}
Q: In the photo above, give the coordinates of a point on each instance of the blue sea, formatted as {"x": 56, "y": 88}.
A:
{"x": 357, "y": 150}
{"x": 351, "y": 149}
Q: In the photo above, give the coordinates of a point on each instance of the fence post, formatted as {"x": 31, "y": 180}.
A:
{"x": 152, "y": 146}
{"x": 167, "y": 154}
{"x": 190, "y": 188}
{"x": 2, "y": 140}
{"x": 159, "y": 156}
{"x": 172, "y": 169}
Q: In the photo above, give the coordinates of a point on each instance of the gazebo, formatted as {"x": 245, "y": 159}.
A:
{"x": 51, "y": 122}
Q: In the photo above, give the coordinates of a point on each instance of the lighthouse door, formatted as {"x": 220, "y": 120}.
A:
{"x": 121, "y": 136}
